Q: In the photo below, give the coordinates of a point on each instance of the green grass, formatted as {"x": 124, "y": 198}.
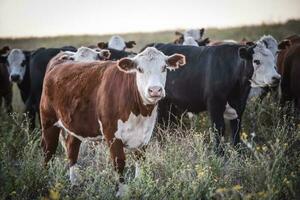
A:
{"x": 180, "y": 163}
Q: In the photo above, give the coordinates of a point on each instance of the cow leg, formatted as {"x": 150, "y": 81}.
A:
{"x": 50, "y": 134}
{"x": 139, "y": 156}
{"x": 73, "y": 146}
{"x": 235, "y": 128}
{"x": 118, "y": 157}
{"x": 216, "y": 110}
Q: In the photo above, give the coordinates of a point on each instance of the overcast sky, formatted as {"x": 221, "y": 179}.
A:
{"x": 59, "y": 17}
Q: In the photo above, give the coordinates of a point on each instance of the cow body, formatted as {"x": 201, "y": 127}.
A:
{"x": 119, "y": 103}
{"x": 212, "y": 77}
{"x": 289, "y": 67}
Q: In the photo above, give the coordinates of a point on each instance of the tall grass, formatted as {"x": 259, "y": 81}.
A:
{"x": 180, "y": 163}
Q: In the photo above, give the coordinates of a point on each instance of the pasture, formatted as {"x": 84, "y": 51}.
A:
{"x": 180, "y": 162}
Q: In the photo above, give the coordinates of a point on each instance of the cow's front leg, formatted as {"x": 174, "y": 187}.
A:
{"x": 118, "y": 157}
{"x": 139, "y": 156}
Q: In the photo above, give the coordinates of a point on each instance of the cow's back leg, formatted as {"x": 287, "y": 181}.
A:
{"x": 216, "y": 110}
{"x": 73, "y": 146}
{"x": 50, "y": 132}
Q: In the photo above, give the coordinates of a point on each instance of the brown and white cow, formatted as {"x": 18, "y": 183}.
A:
{"x": 115, "y": 99}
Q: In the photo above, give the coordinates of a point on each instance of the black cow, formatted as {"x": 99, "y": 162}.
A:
{"x": 38, "y": 64}
{"x": 216, "y": 75}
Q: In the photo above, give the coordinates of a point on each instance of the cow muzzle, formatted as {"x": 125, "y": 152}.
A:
{"x": 155, "y": 92}
{"x": 15, "y": 78}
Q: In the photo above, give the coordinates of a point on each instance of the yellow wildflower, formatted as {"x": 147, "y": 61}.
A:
{"x": 54, "y": 194}
{"x": 244, "y": 136}
{"x": 237, "y": 187}
{"x": 221, "y": 190}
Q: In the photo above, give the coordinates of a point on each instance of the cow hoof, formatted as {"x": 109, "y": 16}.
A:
{"x": 122, "y": 190}
{"x": 75, "y": 177}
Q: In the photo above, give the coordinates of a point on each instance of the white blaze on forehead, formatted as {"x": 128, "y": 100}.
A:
{"x": 265, "y": 71}
{"x": 271, "y": 43}
{"x": 116, "y": 42}
{"x": 190, "y": 41}
{"x": 15, "y": 59}
{"x": 137, "y": 130}
{"x": 194, "y": 33}
{"x": 151, "y": 61}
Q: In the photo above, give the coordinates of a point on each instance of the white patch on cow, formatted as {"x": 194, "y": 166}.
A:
{"x": 116, "y": 42}
{"x": 230, "y": 113}
{"x": 137, "y": 130}
{"x": 85, "y": 54}
{"x": 137, "y": 170}
{"x": 264, "y": 72}
{"x": 255, "y": 92}
{"x": 75, "y": 176}
{"x": 194, "y": 33}
{"x": 190, "y": 41}
{"x": 122, "y": 190}
{"x": 16, "y": 66}
{"x": 271, "y": 43}
{"x": 60, "y": 124}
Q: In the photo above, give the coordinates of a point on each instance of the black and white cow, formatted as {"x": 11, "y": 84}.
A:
{"x": 214, "y": 76}
{"x": 19, "y": 73}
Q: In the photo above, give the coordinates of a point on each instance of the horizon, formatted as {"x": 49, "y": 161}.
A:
{"x": 52, "y": 18}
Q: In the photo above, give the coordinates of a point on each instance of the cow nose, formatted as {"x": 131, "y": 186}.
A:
{"x": 155, "y": 91}
{"x": 15, "y": 77}
{"x": 276, "y": 79}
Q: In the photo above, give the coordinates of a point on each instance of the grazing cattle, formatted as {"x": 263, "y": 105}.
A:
{"x": 5, "y": 85}
{"x": 188, "y": 35}
{"x": 289, "y": 67}
{"x": 120, "y": 104}
{"x": 221, "y": 74}
{"x": 116, "y": 42}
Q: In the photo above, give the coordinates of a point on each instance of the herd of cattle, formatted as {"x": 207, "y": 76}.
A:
{"x": 107, "y": 92}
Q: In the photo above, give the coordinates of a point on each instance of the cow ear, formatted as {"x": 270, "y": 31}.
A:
{"x": 175, "y": 61}
{"x": 244, "y": 53}
{"x": 130, "y": 44}
{"x": 178, "y": 33}
{"x": 204, "y": 42}
{"x": 105, "y": 54}
{"x": 127, "y": 65}
{"x": 102, "y": 45}
{"x": 284, "y": 44}
{"x": 201, "y": 32}
{"x": 4, "y": 50}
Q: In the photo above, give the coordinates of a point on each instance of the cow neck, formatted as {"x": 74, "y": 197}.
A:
{"x": 25, "y": 84}
{"x": 138, "y": 106}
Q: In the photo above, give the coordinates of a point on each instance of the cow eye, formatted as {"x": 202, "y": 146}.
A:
{"x": 164, "y": 69}
{"x": 257, "y": 62}
{"x": 140, "y": 70}
{"x": 23, "y": 63}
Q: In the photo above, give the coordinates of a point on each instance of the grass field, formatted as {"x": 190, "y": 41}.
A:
{"x": 180, "y": 163}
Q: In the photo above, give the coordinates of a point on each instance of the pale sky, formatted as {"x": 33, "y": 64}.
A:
{"x": 59, "y": 17}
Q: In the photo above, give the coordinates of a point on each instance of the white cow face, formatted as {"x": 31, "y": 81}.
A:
{"x": 116, "y": 42}
{"x": 190, "y": 41}
{"x": 16, "y": 65}
{"x": 86, "y": 54}
{"x": 197, "y": 34}
{"x": 151, "y": 67}
{"x": 264, "y": 65}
